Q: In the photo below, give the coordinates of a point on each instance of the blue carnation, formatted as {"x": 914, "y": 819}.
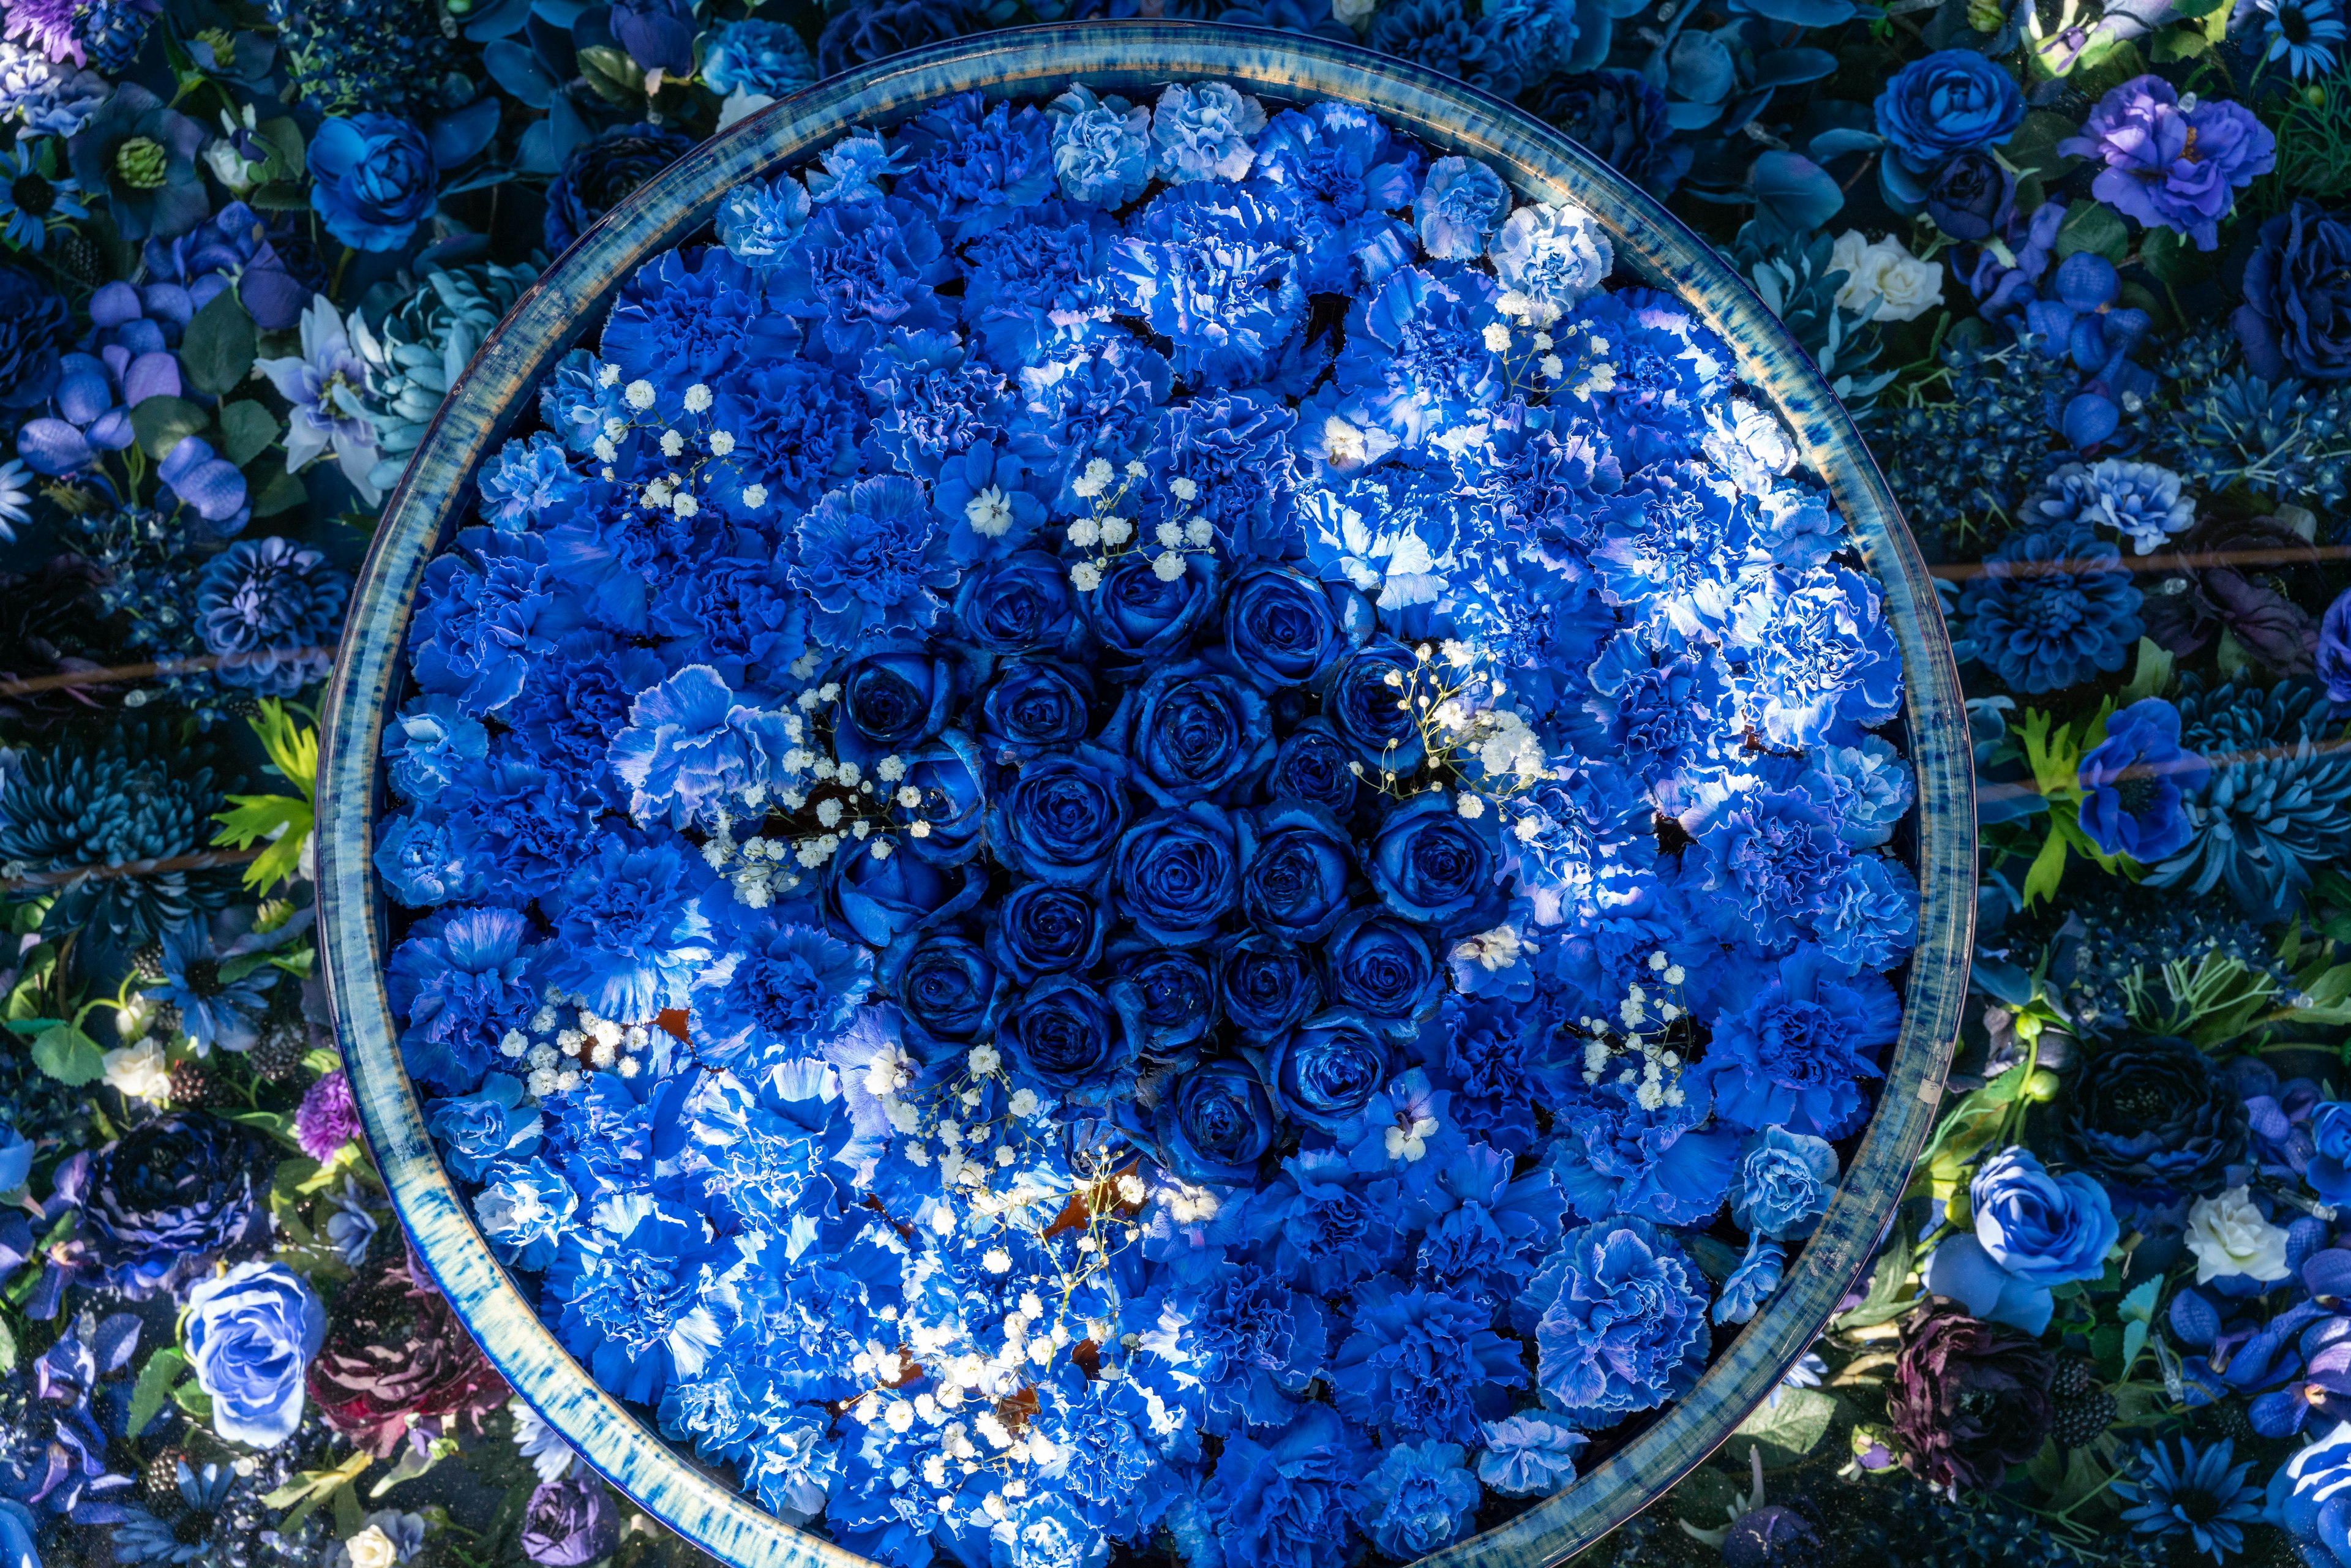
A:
{"x": 1343, "y": 174}
{"x": 1101, "y": 148}
{"x": 1323, "y": 1223}
{"x": 1038, "y": 287}
{"x": 525, "y": 1210}
{"x": 485, "y": 612}
{"x": 970, "y": 165}
{"x": 780, "y": 988}
{"x": 932, "y": 404}
{"x": 525, "y": 479}
{"x": 1529, "y": 1454}
{"x": 1615, "y": 1155}
{"x": 1794, "y": 1056}
{"x": 1204, "y": 130}
{"x": 1287, "y": 1495}
{"x": 1751, "y": 1283}
{"x": 1422, "y": 1496}
{"x": 1679, "y": 559}
{"x": 691, "y": 316}
{"x": 1869, "y": 918}
{"x": 1769, "y": 841}
{"x": 762, "y": 59}
{"x": 690, "y": 747}
{"x": 1821, "y": 660}
{"x": 1235, "y": 1349}
{"x": 642, "y": 1297}
{"x": 1210, "y": 268}
{"x": 462, "y": 981}
{"x": 1619, "y": 1319}
{"x": 1234, "y": 448}
{"x": 1460, "y": 206}
{"x": 489, "y": 1125}
{"x": 796, "y": 426}
{"x": 629, "y": 926}
{"x": 1416, "y": 353}
{"x": 860, "y": 269}
{"x": 426, "y": 745}
{"x": 1782, "y": 1184}
{"x": 1098, "y": 402}
{"x": 871, "y": 557}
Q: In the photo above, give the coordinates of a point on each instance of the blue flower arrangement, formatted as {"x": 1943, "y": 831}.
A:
{"x": 1023, "y": 904}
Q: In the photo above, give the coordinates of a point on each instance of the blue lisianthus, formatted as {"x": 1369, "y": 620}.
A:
{"x": 1618, "y": 1318}
{"x": 1343, "y": 173}
{"x": 1679, "y": 559}
{"x": 630, "y": 931}
{"x": 1422, "y": 1496}
{"x": 1433, "y": 866}
{"x": 691, "y": 316}
{"x": 1481, "y": 1229}
{"x": 1214, "y": 1123}
{"x": 1782, "y": 1184}
{"x": 1043, "y": 928}
{"x": 931, "y": 402}
{"x": 1460, "y": 206}
{"x": 1204, "y": 130}
{"x": 1061, "y": 1036}
{"x": 1210, "y": 268}
{"x": 879, "y": 897}
{"x": 2135, "y": 783}
{"x": 1820, "y": 659}
{"x": 1616, "y": 1155}
{"x": 1529, "y": 1454}
{"x": 462, "y": 980}
{"x": 1042, "y": 285}
{"x": 690, "y": 746}
{"x": 1176, "y": 873}
{"x": 1417, "y": 354}
{"x": 1313, "y": 766}
{"x": 1233, "y": 1349}
{"x": 476, "y": 1130}
{"x": 1102, "y": 147}
{"x": 1792, "y": 1056}
{"x": 1751, "y": 1283}
{"x": 1033, "y": 705}
{"x": 796, "y": 425}
{"x": 778, "y": 989}
{"x": 1554, "y": 255}
{"x": 1264, "y": 984}
{"x": 1327, "y": 1068}
{"x": 969, "y": 165}
{"x": 871, "y": 556}
{"x": 525, "y": 1209}
{"x": 860, "y": 269}
{"x": 2051, "y": 608}
{"x": 642, "y": 1296}
{"x": 1770, "y": 838}
{"x": 1384, "y": 967}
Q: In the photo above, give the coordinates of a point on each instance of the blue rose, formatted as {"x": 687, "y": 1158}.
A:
{"x": 1265, "y": 985}
{"x": 1782, "y": 1184}
{"x": 1168, "y": 995}
{"x": 1191, "y": 732}
{"x": 1950, "y": 102}
{"x": 1060, "y": 817}
{"x": 950, "y": 784}
{"x": 250, "y": 1335}
{"x": 1283, "y": 628}
{"x": 1313, "y": 766}
{"x": 372, "y": 179}
{"x": 490, "y": 1124}
{"x": 1297, "y": 862}
{"x": 1175, "y": 875}
{"x": 1368, "y": 709}
{"x": 1328, "y": 1068}
{"x": 2032, "y": 1230}
{"x": 1431, "y": 864}
{"x": 525, "y": 1210}
{"x": 2329, "y": 1171}
{"x": 1043, "y": 928}
{"x": 1064, "y": 1038}
{"x": 945, "y": 983}
{"x": 1139, "y": 616}
{"x": 1214, "y": 1123}
{"x": 1019, "y": 604}
{"x": 1618, "y": 1318}
{"x": 1033, "y": 705}
{"x": 1460, "y": 205}
{"x": 1383, "y": 966}
{"x": 892, "y": 700}
{"x": 879, "y": 898}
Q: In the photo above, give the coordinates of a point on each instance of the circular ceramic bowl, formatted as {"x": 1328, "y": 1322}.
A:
{"x": 1132, "y": 58}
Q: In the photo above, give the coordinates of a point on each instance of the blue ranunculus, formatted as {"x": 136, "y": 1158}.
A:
{"x": 1284, "y": 629}
{"x": 1065, "y": 1039}
{"x": 1313, "y": 766}
{"x": 1265, "y": 985}
{"x": 1191, "y": 732}
{"x": 1384, "y": 968}
{"x": 1433, "y": 865}
{"x": 2133, "y": 784}
{"x": 491, "y": 1124}
{"x": 1297, "y": 862}
{"x": 251, "y": 1333}
{"x": 1618, "y": 1318}
{"x": 877, "y": 898}
{"x": 1327, "y": 1068}
{"x": 1213, "y": 1123}
{"x": 945, "y": 984}
{"x": 1043, "y": 928}
{"x": 1060, "y": 817}
{"x": 1783, "y": 1184}
{"x": 1033, "y": 705}
{"x": 1141, "y": 617}
{"x": 1176, "y": 873}
{"x": 1021, "y": 604}
{"x": 372, "y": 179}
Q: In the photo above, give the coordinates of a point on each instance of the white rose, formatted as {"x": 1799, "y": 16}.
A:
{"x": 2229, "y": 1236}
{"x": 1904, "y": 287}
{"x": 139, "y": 1072}
{"x": 372, "y": 1548}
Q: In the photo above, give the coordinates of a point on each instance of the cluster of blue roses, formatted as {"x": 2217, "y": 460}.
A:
{"x": 1137, "y": 783}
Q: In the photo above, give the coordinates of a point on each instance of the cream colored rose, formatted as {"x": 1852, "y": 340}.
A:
{"x": 1355, "y": 14}
{"x": 372, "y": 1548}
{"x": 2229, "y": 1236}
{"x": 139, "y": 1072}
{"x": 1904, "y": 287}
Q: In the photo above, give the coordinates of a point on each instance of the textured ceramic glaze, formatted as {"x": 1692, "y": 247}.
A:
{"x": 1132, "y": 58}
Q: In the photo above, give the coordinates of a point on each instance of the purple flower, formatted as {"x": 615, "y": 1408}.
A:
{"x": 95, "y": 395}
{"x": 1968, "y": 1399}
{"x": 570, "y": 1522}
{"x": 327, "y": 1117}
{"x": 209, "y": 484}
{"x": 325, "y": 383}
{"x": 2170, "y": 166}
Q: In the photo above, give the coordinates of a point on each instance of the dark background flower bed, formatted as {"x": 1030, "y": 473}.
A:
{"x": 2079, "y": 272}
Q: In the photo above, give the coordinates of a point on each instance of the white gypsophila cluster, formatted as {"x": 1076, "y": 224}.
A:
{"x": 698, "y": 449}
{"x": 1647, "y": 1022}
{"x": 1485, "y": 752}
{"x": 1110, "y": 536}
{"x": 566, "y": 1040}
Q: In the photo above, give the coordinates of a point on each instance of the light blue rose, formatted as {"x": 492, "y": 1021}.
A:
{"x": 2032, "y": 1230}
{"x": 251, "y": 1333}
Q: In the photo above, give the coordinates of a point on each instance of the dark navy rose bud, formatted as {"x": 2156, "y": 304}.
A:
{"x": 1297, "y": 864}
{"x": 876, "y": 899}
{"x": 1190, "y": 732}
{"x": 1971, "y": 198}
{"x": 1327, "y": 1068}
{"x": 1383, "y": 966}
{"x": 1064, "y": 1039}
{"x": 1283, "y": 628}
{"x": 1032, "y": 705}
{"x": 1365, "y": 704}
{"x": 1042, "y": 928}
{"x": 1021, "y": 604}
{"x": 1311, "y": 767}
{"x": 1214, "y": 1123}
{"x": 951, "y": 806}
{"x": 892, "y": 700}
{"x": 1177, "y": 873}
{"x": 1060, "y": 816}
{"x": 1139, "y": 616}
{"x": 1169, "y": 994}
{"x": 1265, "y": 985}
{"x": 945, "y": 983}
{"x": 1432, "y": 865}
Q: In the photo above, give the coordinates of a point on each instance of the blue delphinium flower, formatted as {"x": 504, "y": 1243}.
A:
{"x": 2195, "y": 1492}
{"x": 2051, "y": 608}
{"x": 1422, "y": 1496}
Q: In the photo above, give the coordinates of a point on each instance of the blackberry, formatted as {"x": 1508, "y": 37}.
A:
{"x": 160, "y": 1479}
{"x": 195, "y": 1086}
{"x": 2225, "y": 1418}
{"x": 277, "y": 1054}
{"x": 2073, "y": 1380}
{"x": 165, "y": 1022}
{"x": 77, "y": 257}
{"x": 148, "y": 962}
{"x": 2081, "y": 1421}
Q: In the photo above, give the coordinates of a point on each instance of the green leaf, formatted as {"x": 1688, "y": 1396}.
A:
{"x": 277, "y": 1124}
{"x": 7, "y": 1346}
{"x": 2033, "y": 147}
{"x": 2094, "y": 227}
{"x": 1787, "y": 1430}
{"x": 216, "y": 348}
{"x": 279, "y": 492}
{"x": 1885, "y": 1301}
{"x": 616, "y": 77}
{"x": 2108, "y": 65}
{"x": 285, "y": 139}
{"x": 2048, "y": 869}
{"x": 281, "y": 196}
{"x": 282, "y": 821}
{"x": 154, "y": 1385}
{"x": 2173, "y": 260}
{"x": 247, "y": 431}
{"x": 69, "y": 1056}
{"x": 162, "y": 422}
{"x": 2152, "y": 674}
{"x": 193, "y": 1400}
